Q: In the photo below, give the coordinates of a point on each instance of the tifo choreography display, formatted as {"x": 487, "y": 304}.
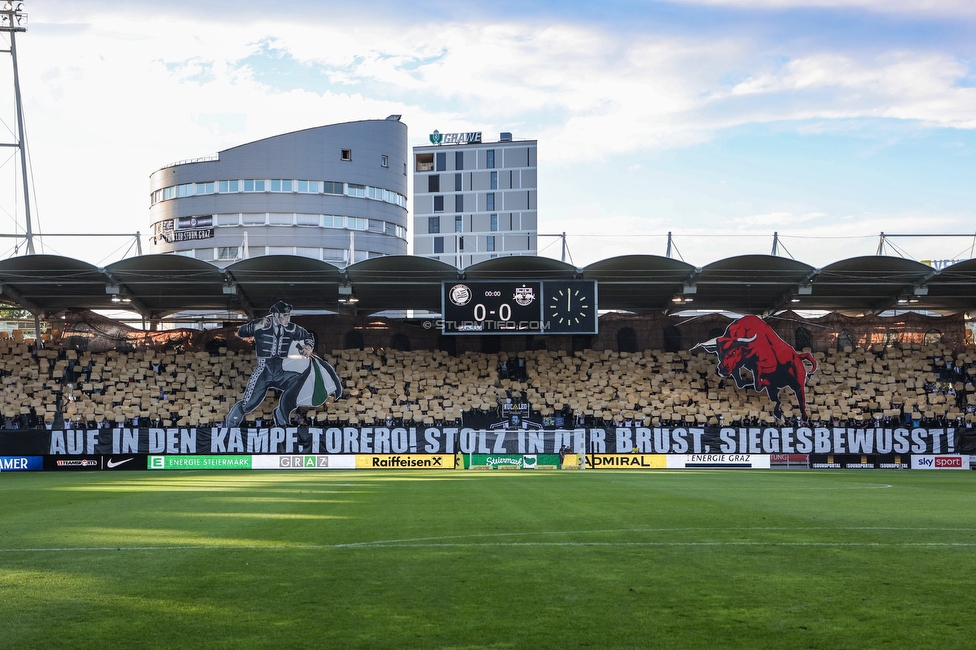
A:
{"x": 286, "y": 361}
{"x": 902, "y": 405}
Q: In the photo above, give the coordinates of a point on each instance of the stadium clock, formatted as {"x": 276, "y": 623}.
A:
{"x": 569, "y": 307}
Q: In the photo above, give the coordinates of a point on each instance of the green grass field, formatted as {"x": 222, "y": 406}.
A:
{"x": 491, "y": 559}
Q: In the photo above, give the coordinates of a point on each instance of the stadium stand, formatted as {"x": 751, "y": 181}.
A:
{"x": 903, "y": 383}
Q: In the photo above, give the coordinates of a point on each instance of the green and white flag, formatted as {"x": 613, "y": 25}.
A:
{"x": 318, "y": 382}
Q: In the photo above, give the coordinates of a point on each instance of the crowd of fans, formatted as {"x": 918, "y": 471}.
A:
{"x": 901, "y": 385}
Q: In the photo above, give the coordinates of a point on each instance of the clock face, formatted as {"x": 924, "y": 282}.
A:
{"x": 570, "y": 307}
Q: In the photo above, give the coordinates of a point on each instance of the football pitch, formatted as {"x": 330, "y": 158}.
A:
{"x": 489, "y": 559}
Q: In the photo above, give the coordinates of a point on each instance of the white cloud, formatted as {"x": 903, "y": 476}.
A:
{"x": 110, "y": 101}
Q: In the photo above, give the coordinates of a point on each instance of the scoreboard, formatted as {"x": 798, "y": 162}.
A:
{"x": 531, "y": 307}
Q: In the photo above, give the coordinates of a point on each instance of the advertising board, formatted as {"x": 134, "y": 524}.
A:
{"x": 98, "y": 462}
{"x": 678, "y": 461}
{"x": 406, "y": 461}
{"x": 306, "y": 461}
{"x": 511, "y": 461}
{"x": 199, "y": 462}
{"x": 940, "y": 462}
{"x": 21, "y": 463}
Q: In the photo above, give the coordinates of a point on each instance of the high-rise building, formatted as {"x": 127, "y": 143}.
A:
{"x": 335, "y": 193}
{"x": 474, "y": 200}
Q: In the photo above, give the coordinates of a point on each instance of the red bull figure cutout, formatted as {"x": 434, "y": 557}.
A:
{"x": 752, "y": 344}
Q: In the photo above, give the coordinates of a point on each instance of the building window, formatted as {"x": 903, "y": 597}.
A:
{"x": 438, "y": 204}
{"x": 346, "y": 154}
{"x": 459, "y": 160}
{"x": 490, "y": 159}
{"x": 205, "y": 188}
{"x": 227, "y": 186}
{"x": 433, "y": 225}
{"x": 490, "y": 201}
{"x": 280, "y": 185}
{"x": 425, "y": 162}
{"x": 438, "y": 244}
{"x": 457, "y": 182}
{"x": 331, "y": 187}
{"x": 441, "y": 161}
{"x": 434, "y": 183}
{"x": 227, "y": 253}
{"x": 458, "y": 223}
{"x": 251, "y": 185}
{"x": 494, "y": 223}
{"x": 254, "y": 218}
{"x": 384, "y": 161}
{"x": 490, "y": 246}
{"x": 459, "y": 203}
{"x": 494, "y": 180}
{"x": 460, "y": 244}
{"x": 356, "y": 190}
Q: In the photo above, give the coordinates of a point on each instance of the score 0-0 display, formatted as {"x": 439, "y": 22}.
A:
{"x": 533, "y": 307}
{"x": 492, "y": 308}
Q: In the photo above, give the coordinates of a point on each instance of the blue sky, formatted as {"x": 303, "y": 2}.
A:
{"x": 721, "y": 121}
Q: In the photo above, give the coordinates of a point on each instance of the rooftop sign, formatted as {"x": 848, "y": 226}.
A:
{"x": 472, "y": 137}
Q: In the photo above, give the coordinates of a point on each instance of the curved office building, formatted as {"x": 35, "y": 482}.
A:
{"x": 335, "y": 193}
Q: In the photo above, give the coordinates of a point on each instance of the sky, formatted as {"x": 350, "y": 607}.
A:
{"x": 722, "y": 122}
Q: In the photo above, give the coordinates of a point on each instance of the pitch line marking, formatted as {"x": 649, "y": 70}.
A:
{"x": 417, "y": 542}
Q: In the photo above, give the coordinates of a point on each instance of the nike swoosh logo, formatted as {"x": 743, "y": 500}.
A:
{"x": 111, "y": 464}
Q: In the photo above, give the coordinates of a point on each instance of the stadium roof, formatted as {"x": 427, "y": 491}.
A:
{"x": 160, "y": 285}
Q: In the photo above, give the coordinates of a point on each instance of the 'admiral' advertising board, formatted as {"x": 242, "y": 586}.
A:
{"x": 678, "y": 461}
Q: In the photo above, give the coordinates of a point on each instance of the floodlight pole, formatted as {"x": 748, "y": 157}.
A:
{"x": 13, "y": 20}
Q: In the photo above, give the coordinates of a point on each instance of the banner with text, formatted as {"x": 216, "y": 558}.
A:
{"x": 452, "y": 440}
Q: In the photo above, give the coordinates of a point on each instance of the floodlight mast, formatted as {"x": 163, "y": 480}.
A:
{"x": 13, "y": 19}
